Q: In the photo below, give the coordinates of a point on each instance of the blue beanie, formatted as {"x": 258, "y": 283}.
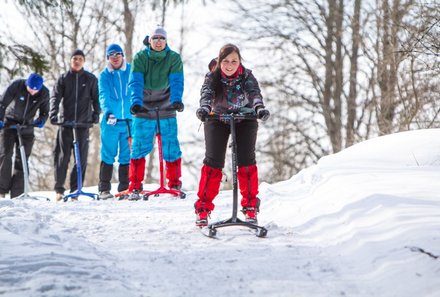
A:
{"x": 34, "y": 81}
{"x": 114, "y": 48}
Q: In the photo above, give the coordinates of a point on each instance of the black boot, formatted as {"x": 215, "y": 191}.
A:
{"x": 123, "y": 177}
{"x": 105, "y": 177}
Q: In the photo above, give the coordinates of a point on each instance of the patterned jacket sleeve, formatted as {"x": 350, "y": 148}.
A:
{"x": 207, "y": 93}
{"x": 252, "y": 90}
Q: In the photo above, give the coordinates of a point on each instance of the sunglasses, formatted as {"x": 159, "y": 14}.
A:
{"x": 114, "y": 55}
{"x": 156, "y": 38}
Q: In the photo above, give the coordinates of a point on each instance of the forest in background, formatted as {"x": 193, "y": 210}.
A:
{"x": 333, "y": 72}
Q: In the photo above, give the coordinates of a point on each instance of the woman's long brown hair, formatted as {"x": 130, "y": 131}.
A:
{"x": 224, "y": 52}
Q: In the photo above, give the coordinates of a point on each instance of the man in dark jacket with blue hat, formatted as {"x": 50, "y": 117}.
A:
{"x": 18, "y": 106}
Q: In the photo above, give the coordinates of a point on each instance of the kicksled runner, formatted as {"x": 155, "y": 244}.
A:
{"x": 211, "y": 229}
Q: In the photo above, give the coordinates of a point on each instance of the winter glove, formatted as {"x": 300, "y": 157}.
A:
{"x": 39, "y": 123}
{"x": 262, "y": 113}
{"x": 54, "y": 120}
{"x": 178, "y": 106}
{"x": 2, "y": 124}
{"x": 111, "y": 120}
{"x": 134, "y": 109}
{"x": 95, "y": 118}
{"x": 202, "y": 112}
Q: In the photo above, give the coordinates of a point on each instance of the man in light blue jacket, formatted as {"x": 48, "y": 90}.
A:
{"x": 114, "y": 99}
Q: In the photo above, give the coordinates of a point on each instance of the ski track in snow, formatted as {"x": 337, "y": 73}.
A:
{"x": 335, "y": 229}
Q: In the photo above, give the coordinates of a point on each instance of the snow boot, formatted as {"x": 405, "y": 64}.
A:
{"x": 248, "y": 183}
{"x": 209, "y": 187}
{"x": 123, "y": 177}
{"x": 136, "y": 174}
{"x": 173, "y": 174}
{"x": 250, "y": 214}
{"x": 134, "y": 196}
{"x": 202, "y": 217}
{"x": 59, "y": 197}
{"x": 105, "y": 177}
{"x": 104, "y": 195}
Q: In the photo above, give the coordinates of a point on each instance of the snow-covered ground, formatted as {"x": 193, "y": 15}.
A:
{"x": 364, "y": 222}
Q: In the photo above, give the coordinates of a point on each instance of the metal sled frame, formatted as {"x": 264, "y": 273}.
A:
{"x": 234, "y": 221}
{"x": 79, "y": 191}
{"x": 162, "y": 189}
{"x": 25, "y": 194}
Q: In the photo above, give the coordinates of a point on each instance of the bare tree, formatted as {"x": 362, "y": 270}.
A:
{"x": 310, "y": 53}
{"x": 68, "y": 26}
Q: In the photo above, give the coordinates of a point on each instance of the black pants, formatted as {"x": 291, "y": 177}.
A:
{"x": 216, "y": 141}
{"x": 9, "y": 181}
{"x": 62, "y": 153}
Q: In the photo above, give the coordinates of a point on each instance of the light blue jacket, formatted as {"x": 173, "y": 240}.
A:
{"x": 114, "y": 96}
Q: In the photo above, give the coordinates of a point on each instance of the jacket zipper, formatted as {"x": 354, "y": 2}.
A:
{"x": 25, "y": 109}
{"x": 120, "y": 91}
{"x": 76, "y": 97}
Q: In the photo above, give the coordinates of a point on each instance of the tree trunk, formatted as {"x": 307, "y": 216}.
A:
{"x": 351, "y": 100}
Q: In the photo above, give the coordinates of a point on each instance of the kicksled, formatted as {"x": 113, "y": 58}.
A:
{"x": 211, "y": 229}
{"x": 144, "y": 194}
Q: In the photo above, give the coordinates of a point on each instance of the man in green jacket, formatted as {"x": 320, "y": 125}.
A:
{"x": 156, "y": 81}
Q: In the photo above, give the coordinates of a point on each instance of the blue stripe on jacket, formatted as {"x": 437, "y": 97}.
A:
{"x": 176, "y": 86}
{"x": 136, "y": 86}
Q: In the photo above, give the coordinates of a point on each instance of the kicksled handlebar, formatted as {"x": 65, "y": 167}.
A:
{"x": 73, "y": 124}
{"x": 230, "y": 116}
{"x": 241, "y": 114}
{"x": 20, "y": 126}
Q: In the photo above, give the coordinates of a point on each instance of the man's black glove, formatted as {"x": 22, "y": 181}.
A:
{"x": 54, "y": 120}
{"x": 202, "y": 112}
{"x": 262, "y": 113}
{"x": 134, "y": 109}
{"x": 95, "y": 118}
{"x": 178, "y": 106}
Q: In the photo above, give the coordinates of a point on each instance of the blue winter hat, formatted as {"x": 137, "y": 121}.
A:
{"x": 35, "y": 81}
{"x": 114, "y": 48}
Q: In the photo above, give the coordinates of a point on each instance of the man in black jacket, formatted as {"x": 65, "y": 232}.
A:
{"x": 74, "y": 101}
{"x": 18, "y": 106}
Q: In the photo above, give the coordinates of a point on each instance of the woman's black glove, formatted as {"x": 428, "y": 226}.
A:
{"x": 262, "y": 113}
{"x": 202, "y": 112}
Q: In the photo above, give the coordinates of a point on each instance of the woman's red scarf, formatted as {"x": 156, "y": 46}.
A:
{"x": 237, "y": 73}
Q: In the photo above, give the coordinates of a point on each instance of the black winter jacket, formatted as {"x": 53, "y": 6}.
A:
{"x": 75, "y": 98}
{"x": 17, "y": 106}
